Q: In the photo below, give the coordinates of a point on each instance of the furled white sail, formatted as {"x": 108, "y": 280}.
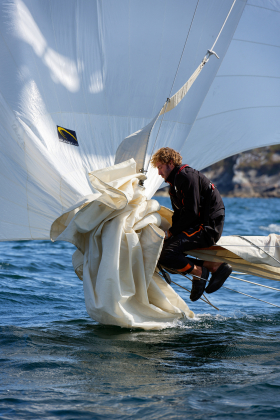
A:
{"x": 119, "y": 237}
{"x": 104, "y": 69}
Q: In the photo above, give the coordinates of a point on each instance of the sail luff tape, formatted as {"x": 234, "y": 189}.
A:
{"x": 143, "y": 168}
{"x": 185, "y": 88}
{"x": 172, "y": 102}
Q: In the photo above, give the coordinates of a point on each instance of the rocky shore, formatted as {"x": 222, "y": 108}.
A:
{"x": 255, "y": 173}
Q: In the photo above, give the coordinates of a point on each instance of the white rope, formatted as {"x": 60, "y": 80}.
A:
{"x": 223, "y": 26}
{"x": 250, "y": 296}
{"x": 257, "y": 284}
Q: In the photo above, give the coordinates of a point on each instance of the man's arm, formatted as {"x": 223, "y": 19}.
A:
{"x": 187, "y": 184}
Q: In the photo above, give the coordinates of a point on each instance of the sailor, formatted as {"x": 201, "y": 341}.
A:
{"x": 197, "y": 222}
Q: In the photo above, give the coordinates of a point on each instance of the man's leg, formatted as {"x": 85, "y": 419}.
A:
{"x": 208, "y": 236}
{"x": 173, "y": 257}
{"x": 220, "y": 271}
{"x": 211, "y": 266}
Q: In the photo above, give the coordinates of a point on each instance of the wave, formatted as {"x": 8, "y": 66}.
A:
{"x": 273, "y": 228}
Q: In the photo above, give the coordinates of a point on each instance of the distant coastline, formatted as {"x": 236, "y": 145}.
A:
{"x": 255, "y": 173}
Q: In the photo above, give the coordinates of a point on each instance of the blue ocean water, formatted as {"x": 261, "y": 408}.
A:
{"x": 57, "y": 363}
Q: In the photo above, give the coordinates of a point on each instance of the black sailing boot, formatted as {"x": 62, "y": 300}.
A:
{"x": 218, "y": 278}
{"x": 198, "y": 285}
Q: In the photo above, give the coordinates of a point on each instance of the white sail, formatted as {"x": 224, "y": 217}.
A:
{"x": 104, "y": 69}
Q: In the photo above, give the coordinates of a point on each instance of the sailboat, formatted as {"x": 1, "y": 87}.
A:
{"x": 78, "y": 82}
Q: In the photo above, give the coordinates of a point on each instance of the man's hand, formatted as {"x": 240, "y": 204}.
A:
{"x": 167, "y": 235}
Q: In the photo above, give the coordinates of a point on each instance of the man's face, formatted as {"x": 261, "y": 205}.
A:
{"x": 164, "y": 169}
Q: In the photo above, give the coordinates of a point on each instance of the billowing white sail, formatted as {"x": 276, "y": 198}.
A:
{"x": 103, "y": 69}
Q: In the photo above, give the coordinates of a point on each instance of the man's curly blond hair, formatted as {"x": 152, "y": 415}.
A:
{"x": 165, "y": 155}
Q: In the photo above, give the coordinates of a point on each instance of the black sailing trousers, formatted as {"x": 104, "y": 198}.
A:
{"x": 173, "y": 254}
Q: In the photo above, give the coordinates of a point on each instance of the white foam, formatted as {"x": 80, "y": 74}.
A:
{"x": 271, "y": 228}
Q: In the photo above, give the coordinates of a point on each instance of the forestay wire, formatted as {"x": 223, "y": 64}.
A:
{"x": 165, "y": 105}
{"x": 204, "y": 61}
{"x": 183, "y": 49}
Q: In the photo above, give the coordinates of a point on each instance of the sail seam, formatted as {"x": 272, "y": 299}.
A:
{"x": 160, "y": 60}
{"x": 13, "y": 202}
{"x": 26, "y": 226}
{"x": 55, "y": 40}
{"x": 237, "y": 109}
{"x": 85, "y": 101}
{"x": 42, "y": 91}
{"x": 100, "y": 38}
{"x": 248, "y": 75}
{"x": 26, "y": 185}
{"x": 261, "y": 7}
{"x": 8, "y": 48}
{"x": 129, "y": 65}
{"x": 23, "y": 141}
{"x": 237, "y": 151}
{"x": 255, "y": 42}
{"x": 24, "y": 239}
{"x": 60, "y": 195}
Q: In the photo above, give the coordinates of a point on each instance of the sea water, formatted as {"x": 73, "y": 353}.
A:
{"x": 57, "y": 363}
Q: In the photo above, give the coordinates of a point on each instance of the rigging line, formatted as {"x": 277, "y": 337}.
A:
{"x": 258, "y": 247}
{"x": 205, "y": 59}
{"x": 248, "y": 246}
{"x": 257, "y": 284}
{"x": 236, "y": 291}
{"x": 206, "y": 301}
{"x": 165, "y": 105}
{"x": 241, "y": 293}
{"x": 184, "y": 48}
{"x": 187, "y": 277}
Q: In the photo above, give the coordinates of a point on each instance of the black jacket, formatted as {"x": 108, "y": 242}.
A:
{"x": 194, "y": 199}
